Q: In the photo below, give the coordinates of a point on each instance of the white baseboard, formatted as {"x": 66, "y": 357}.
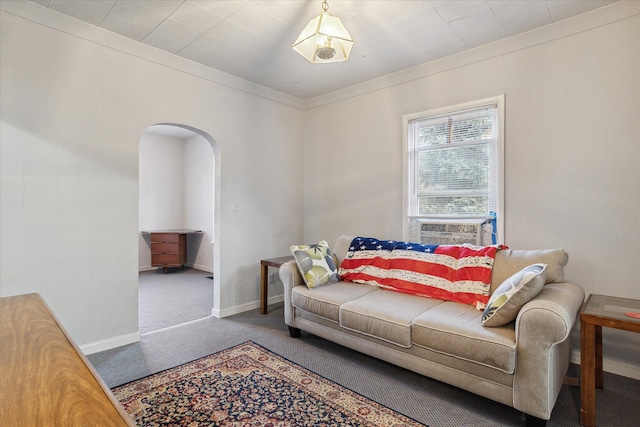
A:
{"x": 613, "y": 366}
{"x": 146, "y": 268}
{"x": 201, "y": 267}
{"x": 245, "y": 307}
{"x": 108, "y": 344}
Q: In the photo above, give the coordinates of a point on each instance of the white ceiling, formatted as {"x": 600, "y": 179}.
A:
{"x": 252, "y": 39}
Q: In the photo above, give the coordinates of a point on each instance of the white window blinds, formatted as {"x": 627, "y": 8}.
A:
{"x": 453, "y": 164}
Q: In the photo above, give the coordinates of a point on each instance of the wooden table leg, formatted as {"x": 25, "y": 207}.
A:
{"x": 598, "y": 353}
{"x": 264, "y": 279}
{"x": 588, "y": 373}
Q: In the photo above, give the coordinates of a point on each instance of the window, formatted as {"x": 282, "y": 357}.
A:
{"x": 453, "y": 170}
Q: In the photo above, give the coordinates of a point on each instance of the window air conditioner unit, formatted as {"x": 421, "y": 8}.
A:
{"x": 455, "y": 232}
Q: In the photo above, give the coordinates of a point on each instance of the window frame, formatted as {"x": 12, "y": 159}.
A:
{"x": 499, "y": 101}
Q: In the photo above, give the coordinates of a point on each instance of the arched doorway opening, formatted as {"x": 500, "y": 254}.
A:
{"x": 179, "y": 188}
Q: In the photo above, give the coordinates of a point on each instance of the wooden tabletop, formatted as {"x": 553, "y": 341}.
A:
{"x": 612, "y": 312}
{"x": 45, "y": 380}
{"x": 173, "y": 231}
{"x": 276, "y": 262}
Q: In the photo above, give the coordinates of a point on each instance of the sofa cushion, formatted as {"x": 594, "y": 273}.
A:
{"x": 454, "y": 329}
{"x": 385, "y": 315}
{"x": 316, "y": 264}
{"x": 512, "y": 294}
{"x": 326, "y": 300}
{"x": 509, "y": 262}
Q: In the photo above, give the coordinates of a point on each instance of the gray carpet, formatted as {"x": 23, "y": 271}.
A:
{"x": 427, "y": 401}
{"x": 170, "y": 299}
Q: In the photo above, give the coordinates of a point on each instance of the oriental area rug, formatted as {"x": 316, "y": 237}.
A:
{"x": 249, "y": 386}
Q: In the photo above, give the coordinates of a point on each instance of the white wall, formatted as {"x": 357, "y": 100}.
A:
{"x": 198, "y": 201}
{"x": 177, "y": 192}
{"x": 161, "y": 189}
{"x": 572, "y": 152}
{"x": 66, "y": 221}
{"x": 162, "y": 182}
{"x": 72, "y": 115}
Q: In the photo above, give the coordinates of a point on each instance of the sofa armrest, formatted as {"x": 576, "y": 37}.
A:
{"x": 543, "y": 329}
{"x": 290, "y": 277}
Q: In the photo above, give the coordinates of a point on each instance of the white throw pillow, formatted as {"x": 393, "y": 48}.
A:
{"x": 512, "y": 294}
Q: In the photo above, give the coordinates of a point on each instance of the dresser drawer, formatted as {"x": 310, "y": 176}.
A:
{"x": 165, "y": 259}
{"x": 165, "y": 237}
{"x": 168, "y": 249}
{"x": 164, "y": 248}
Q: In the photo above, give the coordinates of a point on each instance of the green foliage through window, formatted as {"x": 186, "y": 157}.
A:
{"x": 453, "y": 161}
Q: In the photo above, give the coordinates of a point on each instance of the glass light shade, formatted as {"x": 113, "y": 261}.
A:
{"x": 324, "y": 39}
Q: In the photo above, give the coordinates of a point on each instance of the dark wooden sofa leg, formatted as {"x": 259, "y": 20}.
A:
{"x": 294, "y": 332}
{"x": 534, "y": 421}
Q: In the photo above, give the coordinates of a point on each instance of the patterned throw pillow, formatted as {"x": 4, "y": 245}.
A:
{"x": 316, "y": 264}
{"x": 512, "y": 294}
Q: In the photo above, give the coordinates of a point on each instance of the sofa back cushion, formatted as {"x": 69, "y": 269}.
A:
{"x": 510, "y": 261}
{"x": 507, "y": 261}
{"x": 342, "y": 247}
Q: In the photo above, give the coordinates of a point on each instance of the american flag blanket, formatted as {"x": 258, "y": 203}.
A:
{"x": 459, "y": 273}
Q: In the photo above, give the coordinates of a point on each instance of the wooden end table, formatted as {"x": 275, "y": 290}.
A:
{"x": 599, "y": 311}
{"x": 264, "y": 277}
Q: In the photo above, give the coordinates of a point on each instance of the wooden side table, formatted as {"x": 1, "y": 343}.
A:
{"x": 599, "y": 311}
{"x": 264, "y": 277}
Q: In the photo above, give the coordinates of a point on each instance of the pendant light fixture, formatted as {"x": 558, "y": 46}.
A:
{"x": 324, "y": 39}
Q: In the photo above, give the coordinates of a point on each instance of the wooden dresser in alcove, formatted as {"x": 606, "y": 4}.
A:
{"x": 169, "y": 247}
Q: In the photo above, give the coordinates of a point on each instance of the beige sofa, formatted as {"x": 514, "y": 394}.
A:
{"x": 522, "y": 364}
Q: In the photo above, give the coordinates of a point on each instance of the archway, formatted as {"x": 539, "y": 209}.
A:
{"x": 175, "y": 184}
